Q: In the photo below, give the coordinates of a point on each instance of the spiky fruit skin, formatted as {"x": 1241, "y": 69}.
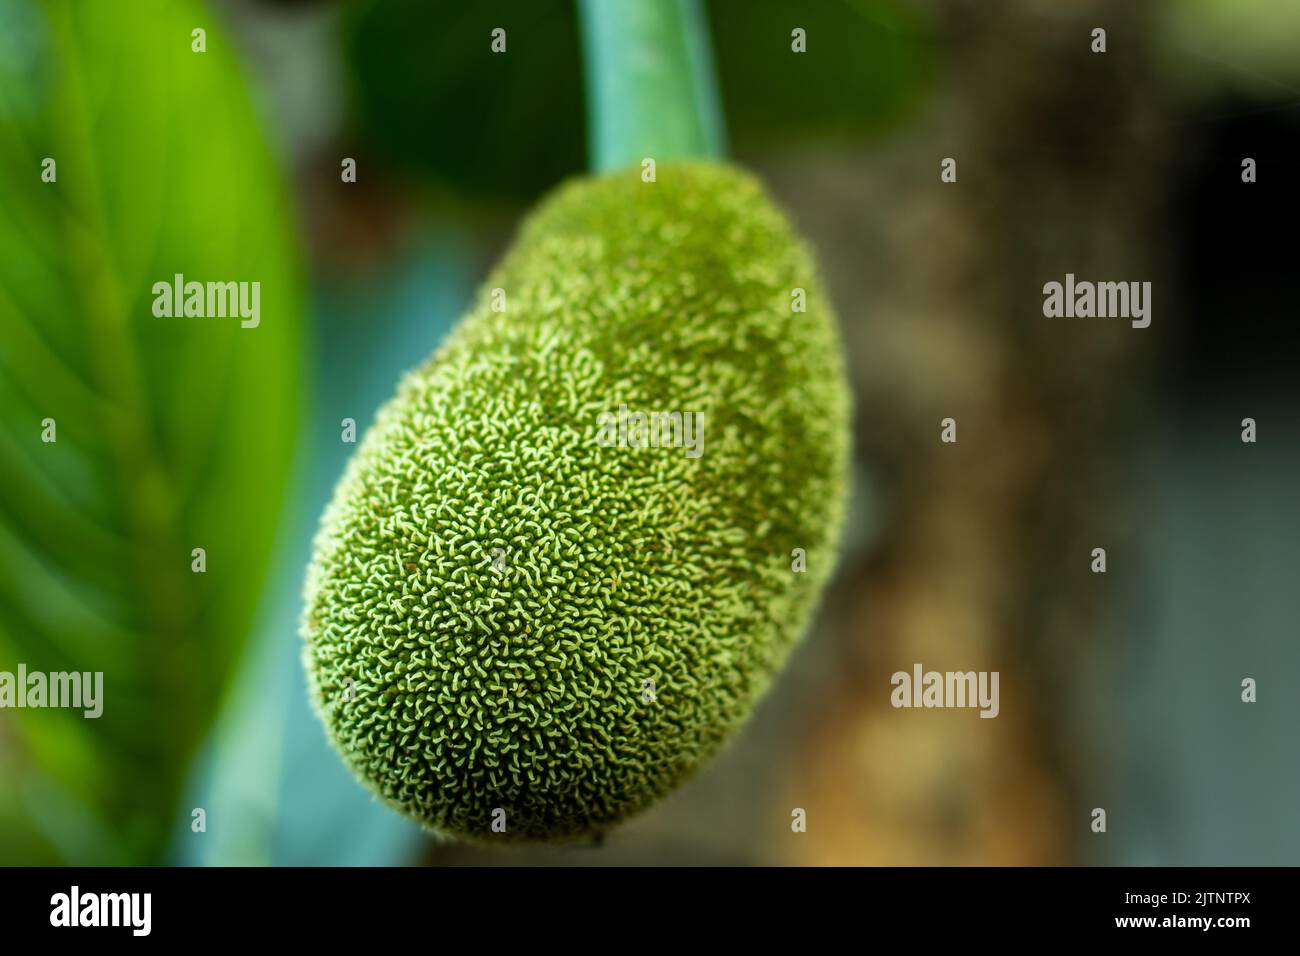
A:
{"x": 493, "y": 590}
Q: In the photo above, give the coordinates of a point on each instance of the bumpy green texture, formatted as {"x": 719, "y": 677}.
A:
{"x": 493, "y": 590}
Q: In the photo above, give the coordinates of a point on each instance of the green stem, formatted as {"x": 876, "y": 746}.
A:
{"x": 650, "y": 84}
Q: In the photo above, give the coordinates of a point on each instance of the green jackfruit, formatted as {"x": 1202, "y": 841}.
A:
{"x": 521, "y": 626}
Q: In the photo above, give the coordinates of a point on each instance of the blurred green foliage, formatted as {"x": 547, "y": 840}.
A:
{"x": 866, "y": 65}
{"x": 431, "y": 95}
{"x": 173, "y": 433}
{"x": 1251, "y": 44}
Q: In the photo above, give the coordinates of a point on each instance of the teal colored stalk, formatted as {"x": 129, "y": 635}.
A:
{"x": 650, "y": 82}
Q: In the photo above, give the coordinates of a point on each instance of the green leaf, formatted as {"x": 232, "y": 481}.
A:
{"x": 172, "y": 433}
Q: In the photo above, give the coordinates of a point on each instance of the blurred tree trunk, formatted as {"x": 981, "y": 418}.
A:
{"x": 982, "y": 558}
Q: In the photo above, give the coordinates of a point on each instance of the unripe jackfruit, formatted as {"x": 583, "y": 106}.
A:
{"x": 516, "y": 618}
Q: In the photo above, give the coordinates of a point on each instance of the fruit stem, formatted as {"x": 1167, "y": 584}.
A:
{"x": 651, "y": 91}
